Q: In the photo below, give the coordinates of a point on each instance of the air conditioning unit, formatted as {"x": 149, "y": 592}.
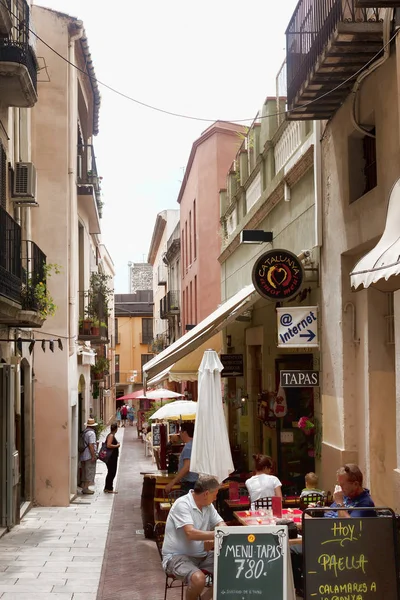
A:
{"x": 132, "y": 379}
{"x": 24, "y": 183}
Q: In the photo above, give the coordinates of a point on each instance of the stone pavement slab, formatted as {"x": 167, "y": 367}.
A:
{"x": 56, "y": 553}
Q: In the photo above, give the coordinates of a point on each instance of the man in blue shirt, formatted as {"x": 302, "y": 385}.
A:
{"x": 184, "y": 476}
{"x": 348, "y": 494}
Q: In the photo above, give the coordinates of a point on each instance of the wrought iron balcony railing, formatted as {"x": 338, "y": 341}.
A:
{"x": 33, "y": 276}
{"x": 170, "y": 305}
{"x": 322, "y": 36}
{"x": 93, "y": 325}
{"x": 87, "y": 171}
{"x": 10, "y": 257}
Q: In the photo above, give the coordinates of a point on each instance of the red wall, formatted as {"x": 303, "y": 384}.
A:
{"x": 212, "y": 155}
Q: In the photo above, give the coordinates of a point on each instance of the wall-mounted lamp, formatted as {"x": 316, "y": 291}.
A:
{"x": 255, "y": 236}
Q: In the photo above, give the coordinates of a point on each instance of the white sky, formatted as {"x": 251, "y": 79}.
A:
{"x": 216, "y": 59}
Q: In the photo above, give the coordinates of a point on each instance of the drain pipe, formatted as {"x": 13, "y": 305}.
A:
{"x": 386, "y": 53}
{"x": 75, "y": 32}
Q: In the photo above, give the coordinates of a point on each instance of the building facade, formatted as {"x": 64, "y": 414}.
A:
{"x": 22, "y": 261}
{"x": 270, "y": 187}
{"x": 69, "y": 384}
{"x": 165, "y": 225}
{"x": 140, "y": 277}
{"x": 133, "y": 339}
{"x": 360, "y": 165}
{"x": 210, "y": 158}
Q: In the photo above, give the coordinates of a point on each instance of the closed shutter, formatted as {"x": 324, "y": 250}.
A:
{"x": 3, "y": 177}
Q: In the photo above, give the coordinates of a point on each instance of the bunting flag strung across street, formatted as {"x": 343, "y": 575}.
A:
{"x": 19, "y": 341}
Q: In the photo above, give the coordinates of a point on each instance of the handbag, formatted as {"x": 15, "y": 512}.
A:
{"x": 105, "y": 453}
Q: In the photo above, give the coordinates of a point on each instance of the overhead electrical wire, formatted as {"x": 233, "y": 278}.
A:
{"x": 191, "y": 117}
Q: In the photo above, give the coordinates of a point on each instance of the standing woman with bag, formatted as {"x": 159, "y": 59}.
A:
{"x": 113, "y": 446}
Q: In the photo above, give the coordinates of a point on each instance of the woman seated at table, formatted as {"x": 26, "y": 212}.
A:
{"x": 263, "y": 484}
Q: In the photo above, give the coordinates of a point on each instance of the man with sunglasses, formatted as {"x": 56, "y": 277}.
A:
{"x": 349, "y": 496}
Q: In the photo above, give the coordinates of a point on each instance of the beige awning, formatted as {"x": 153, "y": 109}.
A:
{"x": 381, "y": 265}
{"x": 187, "y": 368}
{"x": 206, "y": 329}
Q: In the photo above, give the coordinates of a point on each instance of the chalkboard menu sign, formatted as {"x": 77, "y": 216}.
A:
{"x": 156, "y": 433}
{"x": 350, "y": 558}
{"x": 251, "y": 562}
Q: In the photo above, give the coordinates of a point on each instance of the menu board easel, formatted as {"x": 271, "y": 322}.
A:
{"x": 252, "y": 562}
{"x": 351, "y": 558}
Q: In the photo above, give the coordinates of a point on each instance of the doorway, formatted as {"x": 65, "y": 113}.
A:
{"x": 295, "y": 449}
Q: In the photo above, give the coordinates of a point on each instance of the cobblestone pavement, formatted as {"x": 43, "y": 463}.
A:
{"x": 57, "y": 553}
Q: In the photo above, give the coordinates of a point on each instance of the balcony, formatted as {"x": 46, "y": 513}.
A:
{"x": 89, "y": 186}
{"x": 18, "y": 65}
{"x": 378, "y": 3}
{"x": 327, "y": 42}
{"x": 93, "y": 327}
{"x": 159, "y": 343}
{"x": 169, "y": 305}
{"x": 22, "y": 268}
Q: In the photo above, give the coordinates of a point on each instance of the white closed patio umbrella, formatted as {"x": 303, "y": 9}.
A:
{"x": 184, "y": 410}
{"x": 211, "y": 451}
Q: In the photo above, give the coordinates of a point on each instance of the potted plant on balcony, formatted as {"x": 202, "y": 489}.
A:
{"x": 102, "y": 364}
{"x": 35, "y": 293}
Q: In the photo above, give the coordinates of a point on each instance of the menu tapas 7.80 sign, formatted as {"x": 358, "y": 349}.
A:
{"x": 251, "y": 562}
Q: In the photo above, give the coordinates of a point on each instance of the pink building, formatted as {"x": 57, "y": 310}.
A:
{"x": 209, "y": 162}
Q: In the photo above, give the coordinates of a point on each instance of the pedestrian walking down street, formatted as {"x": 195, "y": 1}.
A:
{"x": 131, "y": 415}
{"x": 88, "y": 457}
{"x": 124, "y": 414}
{"x": 118, "y": 417}
{"x": 113, "y": 444}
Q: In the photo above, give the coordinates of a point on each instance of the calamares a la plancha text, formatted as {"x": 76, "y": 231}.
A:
{"x": 268, "y": 551}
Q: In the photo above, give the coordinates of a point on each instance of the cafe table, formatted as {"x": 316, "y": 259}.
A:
{"x": 261, "y": 517}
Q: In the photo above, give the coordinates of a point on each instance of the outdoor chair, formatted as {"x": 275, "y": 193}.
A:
{"x": 265, "y": 502}
{"x": 312, "y": 498}
{"x": 170, "y": 580}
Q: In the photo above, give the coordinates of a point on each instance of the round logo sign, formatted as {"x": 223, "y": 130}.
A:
{"x": 278, "y": 275}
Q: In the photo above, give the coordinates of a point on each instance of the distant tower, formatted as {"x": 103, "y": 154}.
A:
{"x": 140, "y": 277}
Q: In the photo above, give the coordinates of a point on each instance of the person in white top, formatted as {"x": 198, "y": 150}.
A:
{"x": 263, "y": 484}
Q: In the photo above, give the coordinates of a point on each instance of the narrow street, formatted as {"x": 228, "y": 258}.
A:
{"x": 93, "y": 549}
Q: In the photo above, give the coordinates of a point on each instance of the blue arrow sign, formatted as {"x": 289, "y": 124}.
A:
{"x": 310, "y": 335}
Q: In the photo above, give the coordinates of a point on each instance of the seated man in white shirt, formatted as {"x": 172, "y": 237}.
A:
{"x": 189, "y": 537}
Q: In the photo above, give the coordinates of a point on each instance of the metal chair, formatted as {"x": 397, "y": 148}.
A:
{"x": 312, "y": 498}
{"x": 170, "y": 580}
{"x": 265, "y": 502}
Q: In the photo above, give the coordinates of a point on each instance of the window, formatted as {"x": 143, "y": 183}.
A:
{"x": 145, "y": 358}
{"x": 369, "y": 146}
{"x": 195, "y": 299}
{"x": 183, "y": 253}
{"x": 190, "y": 237}
{"x": 183, "y": 308}
{"x": 362, "y": 165}
{"x": 3, "y": 177}
{"x": 117, "y": 340}
{"x": 117, "y": 368}
{"x": 186, "y": 245}
{"x": 191, "y": 303}
{"x": 147, "y": 331}
{"x": 194, "y": 231}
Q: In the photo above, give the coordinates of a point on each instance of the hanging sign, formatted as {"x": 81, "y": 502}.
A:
{"x": 252, "y": 562}
{"x": 233, "y": 365}
{"x": 278, "y": 275}
{"x": 298, "y": 327}
{"x": 299, "y": 378}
